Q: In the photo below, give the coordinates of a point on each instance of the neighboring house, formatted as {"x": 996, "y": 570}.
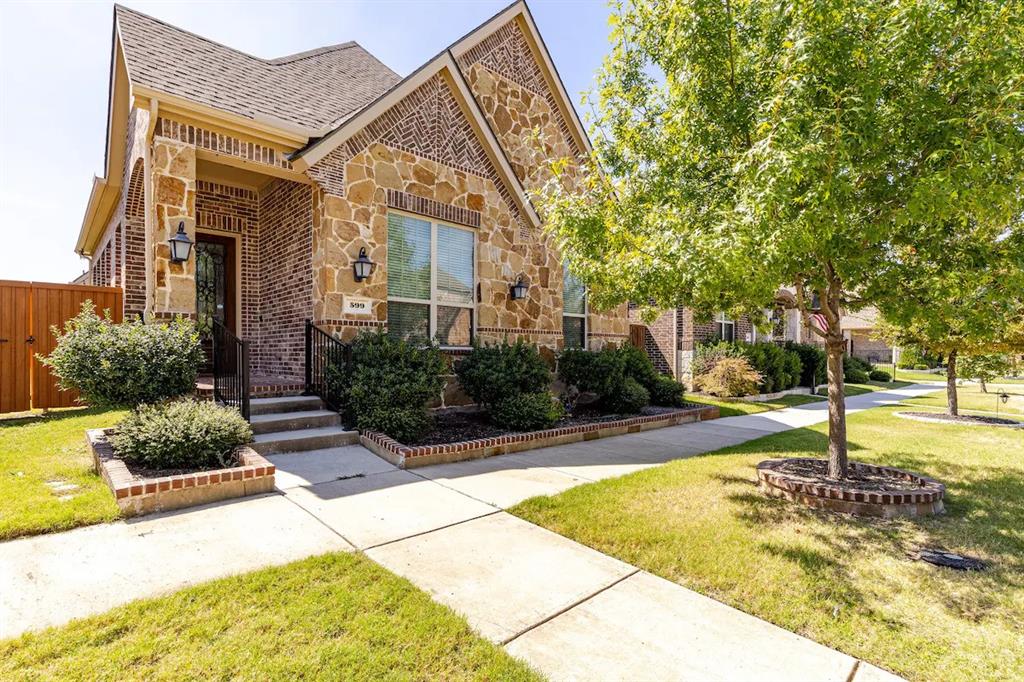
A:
{"x": 284, "y": 170}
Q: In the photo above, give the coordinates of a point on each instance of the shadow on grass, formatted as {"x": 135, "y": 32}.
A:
{"x": 51, "y": 416}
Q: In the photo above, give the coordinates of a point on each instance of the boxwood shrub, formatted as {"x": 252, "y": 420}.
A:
{"x": 623, "y": 378}
{"x": 126, "y": 364}
{"x": 527, "y": 411}
{"x": 813, "y": 362}
{"x": 511, "y": 380}
{"x": 386, "y": 383}
{"x": 879, "y": 375}
{"x": 181, "y": 434}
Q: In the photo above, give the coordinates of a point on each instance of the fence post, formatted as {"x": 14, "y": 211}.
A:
{"x": 309, "y": 358}
{"x": 244, "y": 398}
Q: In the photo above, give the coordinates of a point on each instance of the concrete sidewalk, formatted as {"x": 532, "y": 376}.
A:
{"x": 570, "y": 611}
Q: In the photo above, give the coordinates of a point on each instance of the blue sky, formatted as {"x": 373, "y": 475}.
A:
{"x": 54, "y": 63}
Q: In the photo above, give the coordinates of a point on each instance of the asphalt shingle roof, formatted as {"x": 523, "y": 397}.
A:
{"x": 314, "y": 89}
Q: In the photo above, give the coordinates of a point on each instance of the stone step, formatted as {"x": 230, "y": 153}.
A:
{"x": 293, "y": 421}
{"x": 303, "y": 439}
{"x": 297, "y": 403}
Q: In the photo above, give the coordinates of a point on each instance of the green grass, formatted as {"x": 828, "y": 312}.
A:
{"x": 50, "y": 449}
{"x": 732, "y": 408}
{"x": 971, "y": 399}
{"x": 337, "y": 616}
{"x": 913, "y": 375}
{"x": 870, "y": 387}
{"x": 840, "y": 580}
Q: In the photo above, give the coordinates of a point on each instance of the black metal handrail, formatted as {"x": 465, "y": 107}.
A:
{"x": 322, "y": 351}
{"x": 230, "y": 369}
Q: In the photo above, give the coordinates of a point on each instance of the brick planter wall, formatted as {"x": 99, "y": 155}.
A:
{"x": 407, "y": 457}
{"x": 844, "y": 497}
{"x": 144, "y": 496}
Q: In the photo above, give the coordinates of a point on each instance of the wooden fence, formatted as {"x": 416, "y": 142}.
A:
{"x": 27, "y": 311}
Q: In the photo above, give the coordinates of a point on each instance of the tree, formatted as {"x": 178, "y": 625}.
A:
{"x": 986, "y": 367}
{"x": 743, "y": 146}
{"x": 960, "y": 301}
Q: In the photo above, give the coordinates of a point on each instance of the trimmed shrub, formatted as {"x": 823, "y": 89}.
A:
{"x": 855, "y": 376}
{"x": 181, "y": 434}
{"x": 779, "y": 368}
{"x": 127, "y": 364}
{"x": 629, "y": 398}
{"x": 493, "y": 373}
{"x": 879, "y": 375}
{"x": 638, "y": 365}
{"x": 813, "y": 363}
{"x": 605, "y": 372}
{"x": 666, "y": 391}
{"x": 730, "y": 378}
{"x": 387, "y": 383}
{"x": 527, "y": 411}
{"x": 919, "y": 366}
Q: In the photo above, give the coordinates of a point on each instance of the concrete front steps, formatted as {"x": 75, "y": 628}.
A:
{"x": 296, "y": 424}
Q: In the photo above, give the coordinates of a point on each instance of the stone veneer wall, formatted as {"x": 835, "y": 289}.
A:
{"x": 286, "y": 276}
{"x": 171, "y": 286}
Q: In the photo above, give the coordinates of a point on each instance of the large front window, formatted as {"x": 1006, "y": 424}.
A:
{"x": 574, "y": 310}
{"x": 430, "y": 280}
{"x": 725, "y": 329}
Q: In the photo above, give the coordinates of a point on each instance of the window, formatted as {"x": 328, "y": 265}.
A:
{"x": 574, "y": 310}
{"x": 725, "y": 329}
{"x": 431, "y": 278}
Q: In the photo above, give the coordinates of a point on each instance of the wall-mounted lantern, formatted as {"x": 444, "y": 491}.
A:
{"x": 181, "y": 245}
{"x": 519, "y": 289}
{"x": 362, "y": 266}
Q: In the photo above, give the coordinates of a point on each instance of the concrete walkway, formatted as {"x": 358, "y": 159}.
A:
{"x": 572, "y": 612}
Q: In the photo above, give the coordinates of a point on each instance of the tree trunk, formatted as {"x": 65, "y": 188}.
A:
{"x": 984, "y": 388}
{"x": 953, "y": 408}
{"x": 837, "y": 459}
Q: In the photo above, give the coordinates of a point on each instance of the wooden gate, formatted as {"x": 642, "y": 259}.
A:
{"x": 27, "y": 311}
{"x": 636, "y": 335}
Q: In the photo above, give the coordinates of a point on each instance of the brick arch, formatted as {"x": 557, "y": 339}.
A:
{"x": 135, "y": 241}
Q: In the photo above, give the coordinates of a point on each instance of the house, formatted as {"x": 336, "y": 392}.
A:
{"x": 285, "y": 172}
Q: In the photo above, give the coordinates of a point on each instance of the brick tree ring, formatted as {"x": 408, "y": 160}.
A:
{"x": 868, "y": 491}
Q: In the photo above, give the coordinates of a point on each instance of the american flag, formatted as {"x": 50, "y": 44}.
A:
{"x": 819, "y": 320}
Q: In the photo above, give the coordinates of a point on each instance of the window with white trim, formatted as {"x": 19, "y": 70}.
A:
{"x": 431, "y": 280}
{"x": 725, "y": 329}
{"x": 574, "y": 310}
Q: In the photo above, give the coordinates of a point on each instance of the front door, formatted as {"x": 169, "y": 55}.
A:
{"x": 215, "y": 285}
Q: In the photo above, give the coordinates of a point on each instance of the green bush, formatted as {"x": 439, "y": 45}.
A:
{"x": 780, "y": 369}
{"x": 813, "y": 363}
{"x": 666, "y": 391}
{"x": 386, "y": 384}
{"x": 730, "y": 378}
{"x": 127, "y": 364}
{"x": 181, "y": 434}
{"x": 913, "y": 357}
{"x": 879, "y": 375}
{"x": 493, "y": 373}
{"x": 707, "y": 355}
{"x": 629, "y": 398}
{"x": 920, "y": 366}
{"x": 856, "y": 376}
{"x": 610, "y": 373}
{"x": 527, "y": 411}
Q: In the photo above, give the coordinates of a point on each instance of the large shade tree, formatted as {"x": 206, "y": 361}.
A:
{"x": 743, "y": 145}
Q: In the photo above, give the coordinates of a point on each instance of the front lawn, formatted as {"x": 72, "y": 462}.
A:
{"x": 338, "y": 616}
{"x": 732, "y": 408}
{"x": 46, "y": 479}
{"x": 870, "y": 387}
{"x": 845, "y": 582}
{"x": 971, "y": 399}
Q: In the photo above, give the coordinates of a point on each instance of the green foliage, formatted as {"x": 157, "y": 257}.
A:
{"x": 386, "y": 384}
{"x": 181, "y": 434}
{"x": 985, "y": 367}
{"x": 856, "y": 376}
{"x": 527, "y": 411}
{"x": 629, "y": 397}
{"x": 614, "y": 373}
{"x": 780, "y": 368}
{"x": 813, "y": 361}
{"x": 666, "y": 391}
{"x": 879, "y": 375}
{"x": 707, "y": 355}
{"x": 912, "y": 356}
{"x": 743, "y": 147}
{"x": 127, "y": 364}
{"x": 492, "y": 373}
{"x": 730, "y": 378}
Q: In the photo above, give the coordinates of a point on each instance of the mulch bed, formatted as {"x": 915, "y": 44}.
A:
{"x": 456, "y": 426}
{"x": 967, "y": 419}
{"x": 140, "y": 472}
{"x": 857, "y": 478}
